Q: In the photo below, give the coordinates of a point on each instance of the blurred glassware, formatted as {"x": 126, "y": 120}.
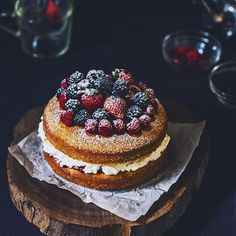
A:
{"x": 222, "y": 82}
{"x": 192, "y": 51}
{"x": 220, "y": 15}
{"x": 43, "y": 26}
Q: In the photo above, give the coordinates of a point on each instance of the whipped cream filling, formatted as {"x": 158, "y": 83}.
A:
{"x": 88, "y": 168}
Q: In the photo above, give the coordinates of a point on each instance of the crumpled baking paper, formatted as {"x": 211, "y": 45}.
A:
{"x": 128, "y": 204}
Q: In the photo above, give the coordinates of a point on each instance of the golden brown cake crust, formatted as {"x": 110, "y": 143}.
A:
{"x": 76, "y": 143}
{"x": 109, "y": 182}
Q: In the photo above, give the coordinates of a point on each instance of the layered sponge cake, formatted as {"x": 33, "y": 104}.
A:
{"x": 104, "y": 131}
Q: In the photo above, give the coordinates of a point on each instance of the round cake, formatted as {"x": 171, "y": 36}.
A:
{"x": 104, "y": 131}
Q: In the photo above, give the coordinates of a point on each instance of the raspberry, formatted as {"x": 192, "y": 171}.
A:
{"x": 150, "y": 94}
{"x": 120, "y": 88}
{"x": 92, "y": 102}
{"x": 140, "y": 99}
{"x": 128, "y": 78}
{"x": 67, "y": 118}
{"x": 150, "y": 111}
{"x": 119, "y": 126}
{"x": 73, "y": 104}
{"x": 81, "y": 117}
{"x": 115, "y": 107}
{"x": 133, "y": 127}
{"x": 73, "y": 91}
{"x": 63, "y": 99}
{"x": 142, "y": 86}
{"x": 105, "y": 127}
{"x": 75, "y": 77}
{"x": 103, "y": 84}
{"x": 133, "y": 112}
{"x": 100, "y": 114}
{"x": 64, "y": 83}
{"x": 91, "y": 126}
{"x": 144, "y": 120}
{"x": 155, "y": 104}
{"x": 59, "y": 92}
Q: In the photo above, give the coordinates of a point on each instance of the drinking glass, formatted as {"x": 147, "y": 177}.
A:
{"x": 43, "y": 26}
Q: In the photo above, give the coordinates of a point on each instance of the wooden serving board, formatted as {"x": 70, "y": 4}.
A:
{"x": 58, "y": 212}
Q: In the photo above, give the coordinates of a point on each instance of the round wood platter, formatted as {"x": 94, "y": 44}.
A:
{"x": 58, "y": 212}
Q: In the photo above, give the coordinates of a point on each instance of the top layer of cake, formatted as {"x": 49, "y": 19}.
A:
{"x": 104, "y": 119}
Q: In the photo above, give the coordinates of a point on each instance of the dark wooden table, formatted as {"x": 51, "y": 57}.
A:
{"x": 125, "y": 35}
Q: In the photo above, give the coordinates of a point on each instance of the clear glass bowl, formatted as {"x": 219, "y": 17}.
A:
{"x": 222, "y": 82}
{"x": 193, "y": 51}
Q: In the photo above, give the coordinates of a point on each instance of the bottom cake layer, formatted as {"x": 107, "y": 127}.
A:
{"x": 122, "y": 180}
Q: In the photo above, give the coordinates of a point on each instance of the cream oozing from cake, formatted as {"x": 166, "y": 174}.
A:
{"x": 89, "y": 168}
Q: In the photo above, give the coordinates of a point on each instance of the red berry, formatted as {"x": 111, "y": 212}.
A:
{"x": 62, "y": 100}
{"x": 150, "y": 111}
{"x": 92, "y": 102}
{"x": 142, "y": 86}
{"x": 155, "y": 104}
{"x": 150, "y": 93}
{"x": 119, "y": 126}
{"x": 105, "y": 128}
{"x": 144, "y": 120}
{"x": 67, "y": 118}
{"x": 193, "y": 55}
{"x": 52, "y": 12}
{"x": 127, "y": 77}
{"x": 91, "y": 126}
{"x": 64, "y": 83}
{"x": 115, "y": 107}
{"x": 133, "y": 127}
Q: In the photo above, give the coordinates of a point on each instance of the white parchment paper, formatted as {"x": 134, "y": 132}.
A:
{"x": 128, "y": 204}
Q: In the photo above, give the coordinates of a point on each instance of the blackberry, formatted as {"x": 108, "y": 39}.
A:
{"x": 133, "y": 112}
{"x": 120, "y": 88}
{"x": 75, "y": 77}
{"x": 59, "y": 92}
{"x": 141, "y": 99}
{"x": 81, "y": 117}
{"x": 73, "y": 91}
{"x": 94, "y": 75}
{"x": 103, "y": 84}
{"x": 100, "y": 114}
{"x": 73, "y": 104}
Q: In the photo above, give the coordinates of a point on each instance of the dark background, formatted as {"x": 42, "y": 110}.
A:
{"x": 125, "y": 34}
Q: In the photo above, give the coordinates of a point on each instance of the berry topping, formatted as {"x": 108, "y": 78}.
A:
{"x": 67, "y": 118}
{"x": 141, "y": 99}
{"x": 73, "y": 91}
{"x": 83, "y": 83}
{"x": 64, "y": 83}
{"x": 133, "y": 127}
{"x": 119, "y": 126}
{"x": 120, "y": 88}
{"x": 150, "y": 111}
{"x": 81, "y": 117}
{"x": 95, "y": 74}
{"x": 75, "y": 77}
{"x": 127, "y": 77}
{"x": 59, "y": 92}
{"x": 150, "y": 94}
{"x": 134, "y": 88}
{"x": 144, "y": 120}
{"x": 142, "y": 86}
{"x": 73, "y": 104}
{"x": 115, "y": 107}
{"x": 105, "y": 128}
{"x": 63, "y": 99}
{"x": 100, "y": 114}
{"x": 133, "y": 112}
{"x": 91, "y": 126}
{"x": 92, "y": 102}
{"x": 103, "y": 84}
